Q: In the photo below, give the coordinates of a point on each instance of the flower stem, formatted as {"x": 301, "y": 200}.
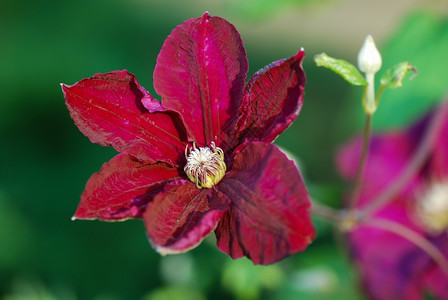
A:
{"x": 416, "y": 162}
{"x": 326, "y": 212}
{"x": 362, "y": 163}
{"x": 411, "y": 236}
{"x": 379, "y": 93}
{"x": 370, "y": 103}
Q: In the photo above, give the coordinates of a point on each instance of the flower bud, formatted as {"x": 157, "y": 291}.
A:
{"x": 369, "y": 58}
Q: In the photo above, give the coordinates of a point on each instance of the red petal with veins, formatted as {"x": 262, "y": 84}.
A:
{"x": 269, "y": 217}
{"x": 201, "y": 72}
{"x": 181, "y": 216}
{"x": 122, "y": 188}
{"x": 272, "y": 99}
{"x": 108, "y": 109}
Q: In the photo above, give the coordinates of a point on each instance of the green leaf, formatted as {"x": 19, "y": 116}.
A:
{"x": 341, "y": 67}
{"x": 246, "y": 281}
{"x": 174, "y": 292}
{"x": 393, "y": 77}
{"x": 423, "y": 40}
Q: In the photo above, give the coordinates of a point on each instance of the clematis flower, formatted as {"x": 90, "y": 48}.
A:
{"x": 201, "y": 160}
{"x": 392, "y": 267}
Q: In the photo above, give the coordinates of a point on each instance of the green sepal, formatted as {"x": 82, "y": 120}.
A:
{"x": 345, "y": 69}
{"x": 393, "y": 78}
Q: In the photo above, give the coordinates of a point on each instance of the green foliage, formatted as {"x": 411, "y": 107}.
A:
{"x": 393, "y": 77}
{"x": 174, "y": 293}
{"x": 23, "y": 289}
{"x": 422, "y": 39}
{"x": 246, "y": 281}
{"x": 341, "y": 67}
{"x": 13, "y": 246}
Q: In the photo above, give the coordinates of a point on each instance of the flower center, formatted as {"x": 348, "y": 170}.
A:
{"x": 205, "y": 165}
{"x": 432, "y": 207}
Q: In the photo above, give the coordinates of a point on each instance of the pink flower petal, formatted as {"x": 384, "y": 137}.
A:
{"x": 201, "y": 72}
{"x": 107, "y": 108}
{"x": 273, "y": 99}
{"x": 392, "y": 267}
{"x": 389, "y": 264}
{"x": 387, "y": 158}
{"x": 181, "y": 216}
{"x": 439, "y": 161}
{"x": 122, "y": 188}
{"x": 435, "y": 279}
{"x": 269, "y": 218}
{"x": 385, "y": 260}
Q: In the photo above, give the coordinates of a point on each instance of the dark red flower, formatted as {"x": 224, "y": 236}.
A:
{"x": 391, "y": 266}
{"x": 202, "y": 159}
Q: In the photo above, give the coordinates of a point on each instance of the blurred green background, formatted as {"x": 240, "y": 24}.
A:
{"x": 45, "y": 161}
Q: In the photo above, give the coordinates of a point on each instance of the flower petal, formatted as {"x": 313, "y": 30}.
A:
{"x": 201, "y": 72}
{"x": 388, "y": 156}
{"x": 108, "y": 109}
{"x": 390, "y": 265}
{"x": 270, "y": 214}
{"x": 439, "y": 161}
{"x": 272, "y": 99}
{"x": 182, "y": 215}
{"x": 122, "y": 188}
{"x": 435, "y": 279}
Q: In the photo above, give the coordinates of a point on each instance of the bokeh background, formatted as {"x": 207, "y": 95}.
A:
{"x": 45, "y": 161}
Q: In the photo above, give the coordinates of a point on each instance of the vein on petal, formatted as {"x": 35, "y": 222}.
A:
{"x": 143, "y": 129}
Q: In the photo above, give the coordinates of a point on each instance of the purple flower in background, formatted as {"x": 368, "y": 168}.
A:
{"x": 201, "y": 160}
{"x": 391, "y": 266}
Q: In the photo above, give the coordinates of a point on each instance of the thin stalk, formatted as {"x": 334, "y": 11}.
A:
{"x": 415, "y": 164}
{"x": 356, "y": 190}
{"x": 370, "y": 97}
{"x": 413, "y": 237}
{"x": 379, "y": 93}
{"x": 370, "y": 103}
{"x": 326, "y": 212}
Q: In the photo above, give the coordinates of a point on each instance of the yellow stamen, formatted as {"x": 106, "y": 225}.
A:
{"x": 205, "y": 165}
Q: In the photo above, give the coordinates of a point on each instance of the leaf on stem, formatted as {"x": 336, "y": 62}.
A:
{"x": 341, "y": 67}
{"x": 393, "y": 78}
